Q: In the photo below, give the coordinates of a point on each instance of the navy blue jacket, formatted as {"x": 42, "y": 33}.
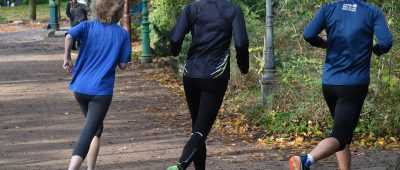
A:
{"x": 212, "y": 24}
{"x": 350, "y": 26}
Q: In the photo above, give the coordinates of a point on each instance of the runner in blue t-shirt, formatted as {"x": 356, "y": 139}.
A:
{"x": 350, "y": 26}
{"x": 105, "y": 45}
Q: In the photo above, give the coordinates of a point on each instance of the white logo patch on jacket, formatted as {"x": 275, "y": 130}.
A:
{"x": 350, "y": 7}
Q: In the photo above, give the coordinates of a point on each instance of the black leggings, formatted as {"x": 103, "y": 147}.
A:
{"x": 204, "y": 98}
{"x": 345, "y": 103}
{"x": 94, "y": 108}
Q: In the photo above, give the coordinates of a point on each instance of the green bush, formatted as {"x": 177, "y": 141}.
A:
{"x": 162, "y": 18}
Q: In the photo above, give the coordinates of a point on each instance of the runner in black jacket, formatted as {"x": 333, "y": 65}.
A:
{"x": 212, "y": 24}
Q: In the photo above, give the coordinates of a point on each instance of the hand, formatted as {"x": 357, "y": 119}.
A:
{"x": 243, "y": 67}
{"x": 243, "y": 63}
{"x": 68, "y": 65}
{"x": 244, "y": 71}
{"x": 376, "y": 51}
{"x": 324, "y": 44}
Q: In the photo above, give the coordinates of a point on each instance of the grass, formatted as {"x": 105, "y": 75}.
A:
{"x": 21, "y": 12}
{"x": 3, "y": 19}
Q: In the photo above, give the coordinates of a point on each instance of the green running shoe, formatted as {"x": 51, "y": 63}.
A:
{"x": 175, "y": 167}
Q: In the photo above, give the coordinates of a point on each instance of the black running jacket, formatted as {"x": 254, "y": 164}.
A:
{"x": 212, "y": 24}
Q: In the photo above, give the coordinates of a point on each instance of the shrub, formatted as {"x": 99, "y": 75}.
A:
{"x": 26, "y": 2}
{"x": 162, "y": 18}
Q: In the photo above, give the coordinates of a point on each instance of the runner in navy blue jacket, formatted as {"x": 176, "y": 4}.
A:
{"x": 350, "y": 26}
{"x": 212, "y": 24}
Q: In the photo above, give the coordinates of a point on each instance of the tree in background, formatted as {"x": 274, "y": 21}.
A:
{"x": 32, "y": 10}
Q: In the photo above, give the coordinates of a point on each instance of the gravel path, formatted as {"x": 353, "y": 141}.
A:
{"x": 145, "y": 128}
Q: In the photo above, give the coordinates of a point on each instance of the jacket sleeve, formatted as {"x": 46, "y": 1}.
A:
{"x": 87, "y": 9}
{"x": 382, "y": 33}
{"x": 178, "y": 33}
{"x": 314, "y": 28}
{"x": 68, "y": 11}
{"x": 241, "y": 41}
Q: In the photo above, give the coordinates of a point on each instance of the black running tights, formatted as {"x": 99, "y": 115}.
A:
{"x": 94, "y": 108}
{"x": 204, "y": 98}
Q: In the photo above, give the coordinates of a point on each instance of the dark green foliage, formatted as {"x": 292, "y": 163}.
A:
{"x": 298, "y": 97}
{"x": 162, "y": 18}
{"x": 26, "y": 2}
{"x": 3, "y": 19}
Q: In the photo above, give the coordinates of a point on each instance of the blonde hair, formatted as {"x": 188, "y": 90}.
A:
{"x": 107, "y": 11}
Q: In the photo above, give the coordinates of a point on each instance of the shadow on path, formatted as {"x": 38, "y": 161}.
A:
{"x": 40, "y": 120}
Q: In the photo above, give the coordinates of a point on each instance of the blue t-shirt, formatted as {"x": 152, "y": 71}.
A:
{"x": 350, "y": 26}
{"x": 103, "y": 47}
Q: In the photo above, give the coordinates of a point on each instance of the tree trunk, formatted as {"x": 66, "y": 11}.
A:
{"x": 58, "y": 4}
{"x": 127, "y": 18}
{"x": 32, "y": 10}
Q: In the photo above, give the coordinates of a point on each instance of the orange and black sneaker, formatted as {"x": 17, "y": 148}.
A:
{"x": 298, "y": 163}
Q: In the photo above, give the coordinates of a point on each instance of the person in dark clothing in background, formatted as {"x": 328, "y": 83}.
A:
{"x": 68, "y": 12}
{"x": 212, "y": 24}
{"x": 79, "y": 12}
{"x": 70, "y": 17}
{"x": 350, "y": 26}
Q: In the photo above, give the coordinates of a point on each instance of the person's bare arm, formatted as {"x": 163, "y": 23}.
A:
{"x": 68, "y": 64}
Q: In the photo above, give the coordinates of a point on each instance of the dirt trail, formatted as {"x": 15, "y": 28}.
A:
{"x": 40, "y": 120}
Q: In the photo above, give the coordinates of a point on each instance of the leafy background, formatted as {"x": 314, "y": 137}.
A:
{"x": 297, "y": 111}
